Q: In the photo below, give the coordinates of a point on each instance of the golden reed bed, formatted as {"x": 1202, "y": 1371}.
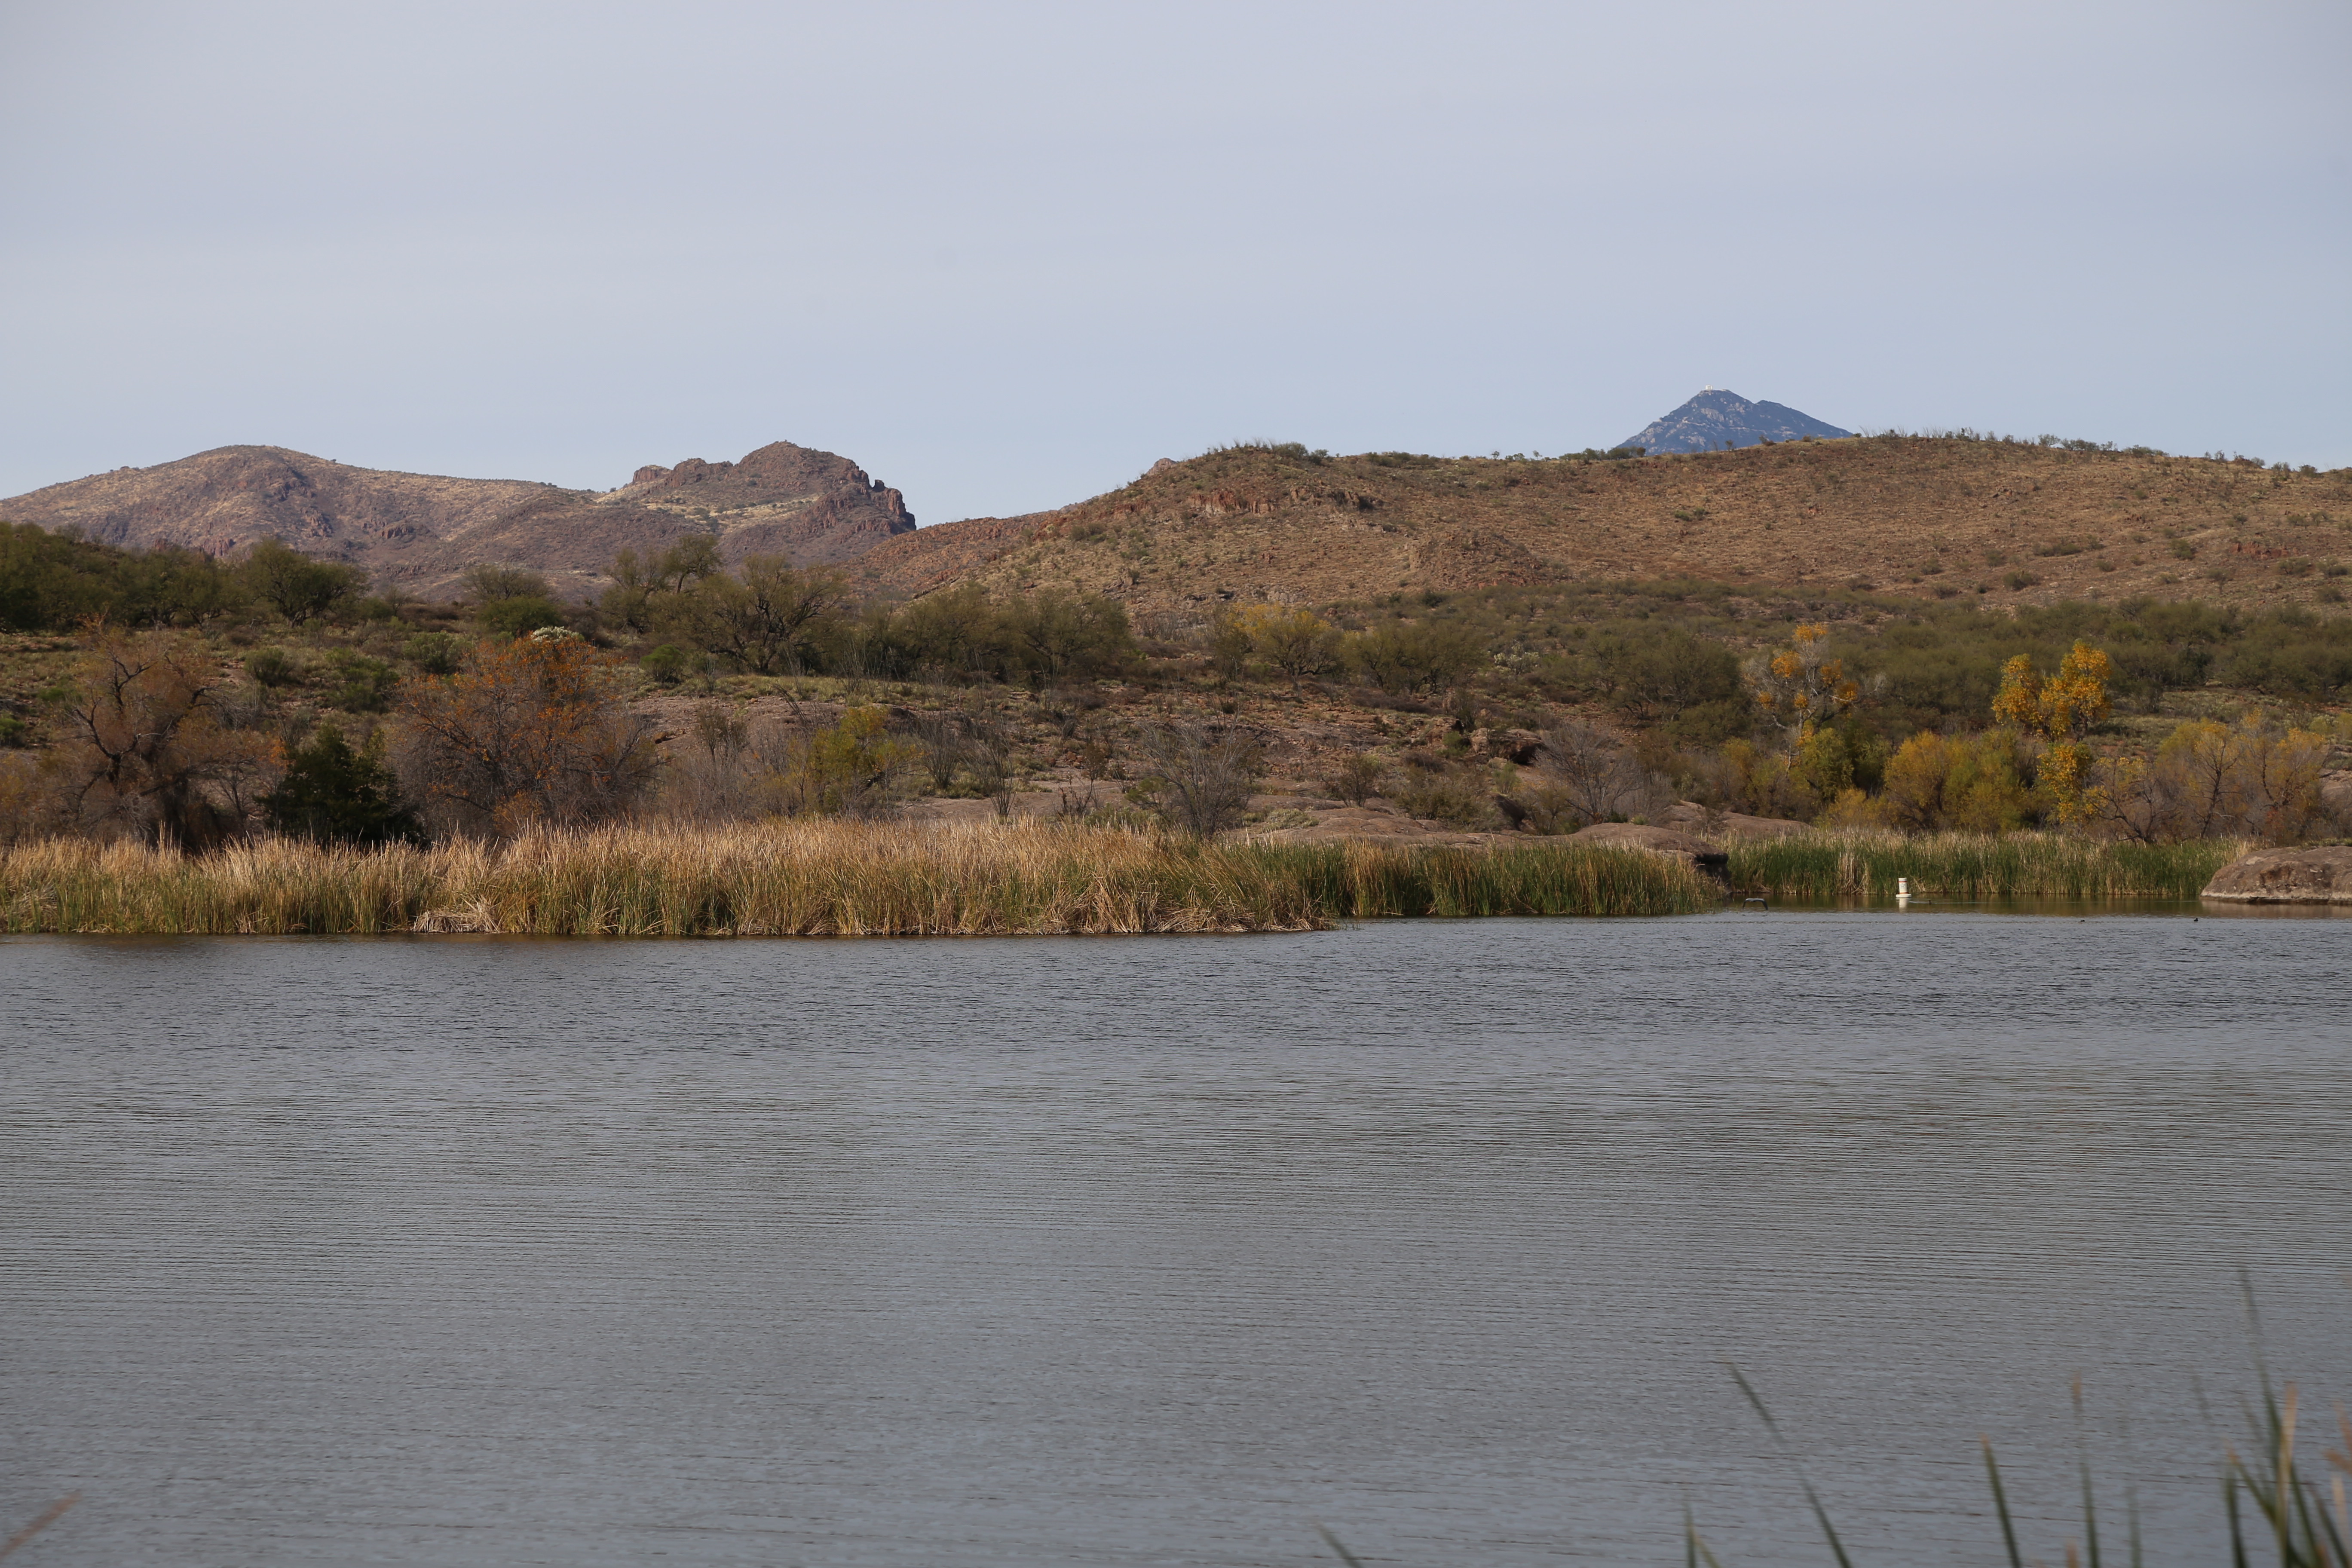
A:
{"x": 815, "y": 879}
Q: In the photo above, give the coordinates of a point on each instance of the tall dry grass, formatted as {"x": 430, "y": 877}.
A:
{"x": 814, "y": 879}
{"x": 1833, "y": 865}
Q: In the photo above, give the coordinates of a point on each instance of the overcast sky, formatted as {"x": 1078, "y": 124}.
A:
{"x": 1005, "y": 256}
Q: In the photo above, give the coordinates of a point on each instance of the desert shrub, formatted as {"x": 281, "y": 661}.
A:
{"x": 1414, "y": 656}
{"x": 954, "y": 631}
{"x": 294, "y": 585}
{"x": 333, "y": 793}
{"x": 667, "y": 664}
{"x": 28, "y": 803}
{"x": 1463, "y": 801}
{"x": 519, "y": 616}
{"x": 1357, "y": 778}
{"x": 50, "y": 582}
{"x": 14, "y": 732}
{"x": 526, "y": 732}
{"x": 273, "y": 668}
{"x": 1745, "y": 777}
{"x": 363, "y": 685}
{"x": 1657, "y": 671}
{"x": 433, "y": 653}
{"x": 940, "y": 742}
{"x": 1597, "y": 776}
{"x": 2294, "y": 654}
{"x": 1294, "y": 642}
{"x": 1201, "y": 776}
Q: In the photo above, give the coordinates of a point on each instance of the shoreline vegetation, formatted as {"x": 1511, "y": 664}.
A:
{"x": 1822, "y": 866}
{"x": 840, "y": 878}
{"x": 814, "y": 879}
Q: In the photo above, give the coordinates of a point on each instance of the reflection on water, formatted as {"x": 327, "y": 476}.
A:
{"x": 1113, "y": 1251}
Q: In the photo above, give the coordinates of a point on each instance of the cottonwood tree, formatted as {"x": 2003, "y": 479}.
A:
{"x": 2209, "y": 779}
{"x": 1800, "y": 688}
{"x": 151, "y": 748}
{"x": 2060, "y": 709}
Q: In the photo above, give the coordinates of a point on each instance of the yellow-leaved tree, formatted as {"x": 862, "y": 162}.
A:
{"x": 1800, "y": 688}
{"x": 2061, "y": 709}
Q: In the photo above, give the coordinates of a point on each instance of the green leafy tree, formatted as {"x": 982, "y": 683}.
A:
{"x": 766, "y": 615}
{"x": 332, "y": 793}
{"x": 1059, "y": 635}
{"x": 294, "y": 585}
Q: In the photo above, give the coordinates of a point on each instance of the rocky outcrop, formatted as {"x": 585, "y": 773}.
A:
{"x": 2321, "y": 875}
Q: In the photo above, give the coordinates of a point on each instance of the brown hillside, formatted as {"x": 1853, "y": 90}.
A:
{"x": 419, "y": 532}
{"x": 1928, "y": 516}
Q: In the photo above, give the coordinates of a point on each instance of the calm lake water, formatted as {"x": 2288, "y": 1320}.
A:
{"x": 472, "y": 1251}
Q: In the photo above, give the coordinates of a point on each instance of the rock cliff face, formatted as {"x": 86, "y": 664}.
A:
{"x": 1716, "y": 419}
{"x": 420, "y": 532}
{"x": 781, "y": 499}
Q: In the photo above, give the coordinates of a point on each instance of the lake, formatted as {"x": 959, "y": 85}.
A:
{"x": 1126, "y": 1251}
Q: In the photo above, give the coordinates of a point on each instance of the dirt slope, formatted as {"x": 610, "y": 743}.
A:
{"x": 420, "y": 531}
{"x": 1934, "y": 517}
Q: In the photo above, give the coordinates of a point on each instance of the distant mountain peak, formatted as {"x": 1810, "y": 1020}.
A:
{"x": 1717, "y": 418}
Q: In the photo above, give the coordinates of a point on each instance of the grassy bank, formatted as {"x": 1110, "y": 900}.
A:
{"x": 1972, "y": 866}
{"x": 826, "y": 878}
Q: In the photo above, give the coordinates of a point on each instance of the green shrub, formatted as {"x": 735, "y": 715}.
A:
{"x": 667, "y": 664}
{"x": 363, "y": 685}
{"x": 435, "y": 653}
{"x": 273, "y": 666}
{"x": 518, "y": 616}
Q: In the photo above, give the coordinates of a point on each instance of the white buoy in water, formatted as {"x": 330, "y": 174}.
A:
{"x": 1902, "y": 890}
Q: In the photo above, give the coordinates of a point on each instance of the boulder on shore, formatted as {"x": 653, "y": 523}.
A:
{"x": 2321, "y": 875}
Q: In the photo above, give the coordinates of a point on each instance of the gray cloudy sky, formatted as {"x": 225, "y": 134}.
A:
{"x": 1006, "y": 256}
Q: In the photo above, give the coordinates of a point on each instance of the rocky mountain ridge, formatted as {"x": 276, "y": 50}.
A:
{"x": 419, "y": 532}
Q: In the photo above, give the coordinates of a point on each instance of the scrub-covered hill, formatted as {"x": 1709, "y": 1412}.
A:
{"x": 2000, "y": 522}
